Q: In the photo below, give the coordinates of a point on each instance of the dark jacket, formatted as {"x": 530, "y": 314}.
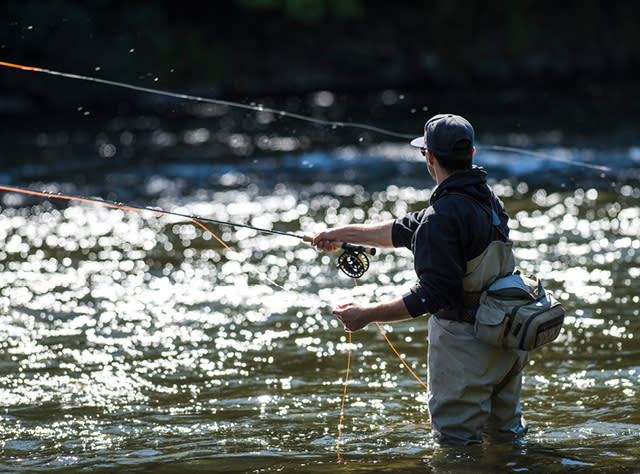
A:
{"x": 451, "y": 231}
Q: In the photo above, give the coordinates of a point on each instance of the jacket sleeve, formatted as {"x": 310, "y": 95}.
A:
{"x": 438, "y": 262}
{"x": 404, "y": 229}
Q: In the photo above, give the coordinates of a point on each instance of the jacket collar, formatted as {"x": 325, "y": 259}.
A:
{"x": 472, "y": 182}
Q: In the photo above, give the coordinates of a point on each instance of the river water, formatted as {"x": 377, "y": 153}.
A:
{"x": 136, "y": 342}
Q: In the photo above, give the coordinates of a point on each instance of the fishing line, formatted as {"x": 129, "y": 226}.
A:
{"x": 359, "y": 252}
{"x": 207, "y": 100}
{"x": 353, "y": 261}
{"x": 400, "y": 357}
{"x": 346, "y": 379}
{"x": 344, "y": 397}
{"x": 292, "y": 115}
{"x": 346, "y": 383}
{"x": 546, "y": 156}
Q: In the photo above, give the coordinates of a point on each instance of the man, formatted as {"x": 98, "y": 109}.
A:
{"x": 460, "y": 245}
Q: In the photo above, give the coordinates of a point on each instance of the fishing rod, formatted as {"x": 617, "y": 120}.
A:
{"x": 353, "y": 261}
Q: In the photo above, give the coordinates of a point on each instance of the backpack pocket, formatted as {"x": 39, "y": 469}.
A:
{"x": 535, "y": 324}
{"x": 490, "y": 325}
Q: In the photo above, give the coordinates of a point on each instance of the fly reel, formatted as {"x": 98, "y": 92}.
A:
{"x": 354, "y": 261}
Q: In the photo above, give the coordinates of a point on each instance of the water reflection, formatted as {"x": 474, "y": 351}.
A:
{"x": 137, "y": 339}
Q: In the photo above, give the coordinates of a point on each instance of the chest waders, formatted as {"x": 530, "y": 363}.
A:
{"x": 496, "y": 261}
{"x": 474, "y": 386}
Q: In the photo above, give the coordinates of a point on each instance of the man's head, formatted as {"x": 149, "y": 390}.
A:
{"x": 450, "y": 138}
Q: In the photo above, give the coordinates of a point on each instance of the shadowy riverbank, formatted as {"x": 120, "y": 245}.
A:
{"x": 502, "y": 54}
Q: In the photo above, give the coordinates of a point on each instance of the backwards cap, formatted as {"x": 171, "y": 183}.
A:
{"x": 442, "y": 132}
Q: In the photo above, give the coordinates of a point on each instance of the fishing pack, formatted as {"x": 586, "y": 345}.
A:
{"x": 516, "y": 312}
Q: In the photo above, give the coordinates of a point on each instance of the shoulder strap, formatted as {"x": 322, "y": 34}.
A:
{"x": 491, "y": 211}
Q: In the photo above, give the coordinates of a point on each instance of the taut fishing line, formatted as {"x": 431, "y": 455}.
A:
{"x": 237, "y": 105}
{"x": 292, "y": 115}
{"x": 546, "y": 156}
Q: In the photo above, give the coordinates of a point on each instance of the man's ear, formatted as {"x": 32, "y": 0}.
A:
{"x": 474, "y": 151}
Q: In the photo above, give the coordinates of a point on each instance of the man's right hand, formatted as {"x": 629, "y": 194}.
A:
{"x": 325, "y": 240}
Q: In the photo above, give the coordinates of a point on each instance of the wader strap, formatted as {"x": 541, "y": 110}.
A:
{"x": 467, "y": 311}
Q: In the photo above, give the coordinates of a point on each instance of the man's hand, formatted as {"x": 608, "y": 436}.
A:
{"x": 353, "y": 316}
{"x": 369, "y": 235}
{"x": 325, "y": 240}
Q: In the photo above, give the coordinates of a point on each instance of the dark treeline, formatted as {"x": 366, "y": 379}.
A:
{"x": 244, "y": 48}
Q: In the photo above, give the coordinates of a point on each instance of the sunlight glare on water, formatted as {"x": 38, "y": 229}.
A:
{"x": 137, "y": 339}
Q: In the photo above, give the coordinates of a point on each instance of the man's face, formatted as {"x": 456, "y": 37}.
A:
{"x": 428, "y": 156}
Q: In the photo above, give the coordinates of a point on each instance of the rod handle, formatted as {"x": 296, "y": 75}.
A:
{"x": 345, "y": 246}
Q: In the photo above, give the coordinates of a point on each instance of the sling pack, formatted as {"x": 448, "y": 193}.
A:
{"x": 516, "y": 312}
{"x": 513, "y": 311}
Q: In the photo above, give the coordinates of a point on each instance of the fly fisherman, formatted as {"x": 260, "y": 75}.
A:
{"x": 460, "y": 244}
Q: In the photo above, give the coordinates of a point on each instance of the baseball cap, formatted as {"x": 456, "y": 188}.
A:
{"x": 442, "y": 132}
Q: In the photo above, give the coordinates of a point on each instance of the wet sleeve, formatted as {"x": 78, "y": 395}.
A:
{"x": 438, "y": 264}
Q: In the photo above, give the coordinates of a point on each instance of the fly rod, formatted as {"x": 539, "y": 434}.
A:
{"x": 353, "y": 261}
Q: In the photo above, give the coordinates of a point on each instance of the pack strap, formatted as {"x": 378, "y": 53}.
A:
{"x": 467, "y": 312}
{"x": 491, "y": 211}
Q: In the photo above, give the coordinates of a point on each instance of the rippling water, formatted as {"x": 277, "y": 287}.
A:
{"x": 131, "y": 341}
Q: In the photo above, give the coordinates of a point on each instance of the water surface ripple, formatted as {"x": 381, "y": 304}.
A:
{"x": 131, "y": 341}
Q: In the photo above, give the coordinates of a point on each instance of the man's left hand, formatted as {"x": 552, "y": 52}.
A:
{"x": 353, "y": 316}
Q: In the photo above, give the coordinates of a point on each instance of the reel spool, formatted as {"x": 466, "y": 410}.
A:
{"x": 353, "y": 262}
